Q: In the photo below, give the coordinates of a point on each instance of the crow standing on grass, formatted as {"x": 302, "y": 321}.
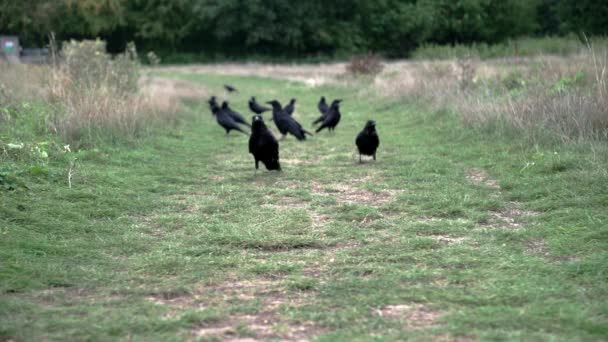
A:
{"x": 285, "y": 123}
{"x": 331, "y": 119}
{"x": 263, "y": 145}
{"x": 225, "y": 120}
{"x": 234, "y": 115}
{"x": 367, "y": 140}
{"x": 322, "y": 106}
{"x": 290, "y": 107}
{"x": 229, "y": 88}
{"x": 212, "y": 104}
{"x": 256, "y": 107}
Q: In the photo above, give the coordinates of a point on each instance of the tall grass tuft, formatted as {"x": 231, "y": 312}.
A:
{"x": 95, "y": 94}
{"x": 89, "y": 95}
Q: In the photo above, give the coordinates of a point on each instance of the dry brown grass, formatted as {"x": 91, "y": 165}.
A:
{"x": 18, "y": 81}
{"x": 89, "y": 94}
{"x": 565, "y": 96}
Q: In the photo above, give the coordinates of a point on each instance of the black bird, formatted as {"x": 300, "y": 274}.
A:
{"x": 332, "y": 117}
{"x": 367, "y": 140}
{"x": 256, "y": 107}
{"x": 290, "y": 107}
{"x": 225, "y": 120}
{"x": 323, "y": 108}
{"x": 322, "y": 105}
{"x": 285, "y": 123}
{"x": 234, "y": 115}
{"x": 229, "y": 88}
{"x": 212, "y": 103}
{"x": 263, "y": 145}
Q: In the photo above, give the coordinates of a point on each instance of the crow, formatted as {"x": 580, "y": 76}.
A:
{"x": 212, "y": 103}
{"x": 332, "y": 117}
{"x": 229, "y": 88}
{"x": 322, "y": 105}
{"x": 256, "y": 107}
{"x": 226, "y": 121}
{"x": 322, "y": 109}
{"x": 263, "y": 145}
{"x": 290, "y": 107}
{"x": 367, "y": 140}
{"x": 285, "y": 123}
{"x": 234, "y": 115}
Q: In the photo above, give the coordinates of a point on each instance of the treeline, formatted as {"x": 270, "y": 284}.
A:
{"x": 284, "y": 28}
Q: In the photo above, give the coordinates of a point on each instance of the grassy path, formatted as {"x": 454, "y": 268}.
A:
{"x": 451, "y": 234}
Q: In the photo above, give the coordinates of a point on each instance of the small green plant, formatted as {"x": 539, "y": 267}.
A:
{"x": 567, "y": 83}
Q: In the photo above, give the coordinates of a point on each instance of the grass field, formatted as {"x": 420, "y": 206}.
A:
{"x": 452, "y": 234}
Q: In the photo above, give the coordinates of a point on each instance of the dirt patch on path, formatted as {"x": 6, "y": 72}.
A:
{"x": 348, "y": 193}
{"x": 262, "y": 324}
{"x": 413, "y": 316}
{"x": 481, "y": 177}
{"x": 511, "y": 215}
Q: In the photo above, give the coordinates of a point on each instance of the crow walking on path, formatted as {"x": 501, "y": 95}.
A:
{"x": 229, "y": 88}
{"x": 332, "y": 118}
{"x": 285, "y": 123}
{"x": 234, "y": 115}
{"x": 322, "y": 109}
{"x": 212, "y": 104}
{"x": 367, "y": 140}
{"x": 225, "y": 120}
{"x": 256, "y": 107}
{"x": 290, "y": 107}
{"x": 263, "y": 145}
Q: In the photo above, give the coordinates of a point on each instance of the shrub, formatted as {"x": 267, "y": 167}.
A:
{"x": 369, "y": 64}
{"x": 95, "y": 94}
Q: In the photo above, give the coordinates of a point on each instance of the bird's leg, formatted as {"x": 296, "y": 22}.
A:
{"x": 374, "y": 156}
{"x": 360, "y": 161}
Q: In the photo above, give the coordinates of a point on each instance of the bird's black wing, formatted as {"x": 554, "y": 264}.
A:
{"x": 289, "y": 109}
{"x": 322, "y": 106}
{"x": 296, "y": 129}
{"x": 238, "y": 118}
{"x": 229, "y": 88}
{"x": 256, "y": 108}
{"x": 226, "y": 121}
{"x": 328, "y": 120}
{"x": 318, "y": 120}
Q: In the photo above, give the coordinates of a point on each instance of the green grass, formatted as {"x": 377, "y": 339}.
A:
{"x": 175, "y": 235}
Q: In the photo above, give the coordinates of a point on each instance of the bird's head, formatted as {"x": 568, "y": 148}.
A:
{"x": 214, "y": 108}
{"x": 275, "y": 104}
{"x": 257, "y": 122}
{"x": 336, "y": 103}
{"x": 370, "y": 125}
{"x": 252, "y": 99}
{"x": 322, "y": 98}
{"x": 292, "y": 101}
{"x": 224, "y": 105}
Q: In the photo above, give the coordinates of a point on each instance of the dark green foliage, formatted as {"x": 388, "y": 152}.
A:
{"x": 209, "y": 29}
